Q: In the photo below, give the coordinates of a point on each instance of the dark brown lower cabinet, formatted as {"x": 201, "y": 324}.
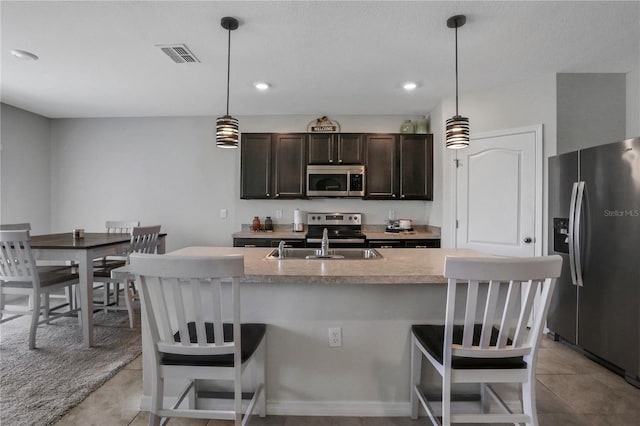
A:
{"x": 267, "y": 242}
{"x": 430, "y": 243}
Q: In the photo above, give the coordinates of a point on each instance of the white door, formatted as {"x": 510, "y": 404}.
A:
{"x": 499, "y": 193}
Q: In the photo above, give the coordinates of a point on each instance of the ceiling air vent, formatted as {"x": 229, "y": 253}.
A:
{"x": 179, "y": 53}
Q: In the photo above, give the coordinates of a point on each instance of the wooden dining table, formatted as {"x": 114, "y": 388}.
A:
{"x": 82, "y": 251}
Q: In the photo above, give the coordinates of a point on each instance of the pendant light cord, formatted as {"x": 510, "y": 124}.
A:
{"x": 229, "y": 69}
{"x": 456, "y": 71}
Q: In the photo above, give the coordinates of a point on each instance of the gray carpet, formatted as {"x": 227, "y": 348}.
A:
{"x": 37, "y": 387}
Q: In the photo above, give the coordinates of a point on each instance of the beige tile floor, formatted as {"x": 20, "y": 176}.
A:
{"x": 571, "y": 391}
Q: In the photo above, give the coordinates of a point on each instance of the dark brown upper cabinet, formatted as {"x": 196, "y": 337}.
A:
{"x": 289, "y": 154}
{"x": 273, "y": 165}
{"x": 399, "y": 167}
{"x": 332, "y": 148}
{"x": 255, "y": 165}
{"x": 416, "y": 167}
{"x": 381, "y": 161}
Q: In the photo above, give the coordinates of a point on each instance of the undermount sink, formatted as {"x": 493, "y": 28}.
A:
{"x": 312, "y": 253}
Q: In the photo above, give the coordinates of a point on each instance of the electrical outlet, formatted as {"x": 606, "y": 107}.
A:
{"x": 278, "y": 214}
{"x": 335, "y": 337}
{"x": 223, "y": 213}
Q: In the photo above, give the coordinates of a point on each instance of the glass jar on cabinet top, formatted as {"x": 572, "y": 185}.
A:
{"x": 421, "y": 124}
{"x": 407, "y": 127}
{"x": 255, "y": 225}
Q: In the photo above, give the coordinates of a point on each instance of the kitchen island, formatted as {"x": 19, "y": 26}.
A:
{"x": 373, "y": 302}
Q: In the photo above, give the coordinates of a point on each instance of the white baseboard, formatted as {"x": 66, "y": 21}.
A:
{"x": 338, "y": 408}
{"x": 324, "y": 408}
{"x": 341, "y": 408}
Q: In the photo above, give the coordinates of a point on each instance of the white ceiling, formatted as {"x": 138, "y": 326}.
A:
{"x": 99, "y": 59}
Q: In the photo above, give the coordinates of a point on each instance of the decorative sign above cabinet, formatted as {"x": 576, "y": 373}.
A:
{"x": 323, "y": 125}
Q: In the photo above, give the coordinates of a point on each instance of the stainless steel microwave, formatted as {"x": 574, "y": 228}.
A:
{"x": 335, "y": 181}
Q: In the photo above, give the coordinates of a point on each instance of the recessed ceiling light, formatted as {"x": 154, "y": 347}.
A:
{"x": 23, "y": 54}
{"x": 261, "y": 85}
{"x": 410, "y": 85}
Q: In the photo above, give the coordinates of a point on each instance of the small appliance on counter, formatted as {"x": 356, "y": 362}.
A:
{"x": 298, "y": 220}
{"x": 399, "y": 226}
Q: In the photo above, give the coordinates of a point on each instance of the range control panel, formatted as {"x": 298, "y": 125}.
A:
{"x": 334, "y": 218}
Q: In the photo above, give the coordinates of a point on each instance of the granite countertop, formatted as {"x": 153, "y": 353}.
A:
{"x": 398, "y": 266}
{"x": 279, "y": 234}
{"x": 417, "y": 235}
{"x": 372, "y": 232}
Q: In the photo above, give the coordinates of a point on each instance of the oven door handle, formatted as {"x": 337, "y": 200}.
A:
{"x": 337, "y": 240}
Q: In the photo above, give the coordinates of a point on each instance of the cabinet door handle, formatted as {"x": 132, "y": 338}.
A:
{"x": 402, "y": 196}
{"x": 268, "y": 194}
{"x": 250, "y": 245}
{"x": 422, "y": 247}
{"x": 393, "y": 195}
{"x": 386, "y": 246}
{"x": 277, "y": 195}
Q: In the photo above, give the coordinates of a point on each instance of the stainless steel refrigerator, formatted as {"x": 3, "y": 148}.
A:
{"x": 594, "y": 224}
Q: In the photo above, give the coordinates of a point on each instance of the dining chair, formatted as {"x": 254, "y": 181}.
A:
{"x": 144, "y": 239}
{"x": 112, "y": 227}
{"x": 494, "y": 339}
{"x": 19, "y": 275}
{"x": 194, "y": 324}
{"x": 47, "y": 266}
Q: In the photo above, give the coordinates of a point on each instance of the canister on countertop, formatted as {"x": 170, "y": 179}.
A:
{"x": 268, "y": 224}
{"x": 78, "y": 233}
{"x": 298, "y": 221}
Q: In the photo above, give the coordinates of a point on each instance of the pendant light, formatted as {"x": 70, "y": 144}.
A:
{"x": 457, "y": 134}
{"x": 227, "y": 126}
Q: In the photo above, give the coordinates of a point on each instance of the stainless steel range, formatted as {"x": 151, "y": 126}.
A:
{"x": 343, "y": 229}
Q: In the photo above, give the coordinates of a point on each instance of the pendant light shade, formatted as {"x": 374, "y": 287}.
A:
{"x": 227, "y": 133}
{"x": 457, "y": 131}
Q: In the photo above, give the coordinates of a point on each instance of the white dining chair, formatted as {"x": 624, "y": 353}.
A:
{"x": 19, "y": 275}
{"x": 494, "y": 339}
{"x": 111, "y": 262}
{"x": 144, "y": 239}
{"x": 48, "y": 266}
{"x": 194, "y": 324}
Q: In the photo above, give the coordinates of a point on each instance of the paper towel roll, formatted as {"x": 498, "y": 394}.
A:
{"x": 298, "y": 220}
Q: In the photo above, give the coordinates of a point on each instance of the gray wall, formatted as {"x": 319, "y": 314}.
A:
{"x": 633, "y": 103}
{"x": 25, "y": 169}
{"x": 521, "y": 104}
{"x": 591, "y": 110}
{"x": 167, "y": 170}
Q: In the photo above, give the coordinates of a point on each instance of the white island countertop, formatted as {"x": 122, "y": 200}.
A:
{"x": 398, "y": 266}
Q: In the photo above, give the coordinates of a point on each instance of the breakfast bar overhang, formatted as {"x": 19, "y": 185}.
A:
{"x": 373, "y": 302}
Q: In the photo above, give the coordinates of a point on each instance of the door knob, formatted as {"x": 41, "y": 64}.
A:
{"x": 528, "y": 240}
